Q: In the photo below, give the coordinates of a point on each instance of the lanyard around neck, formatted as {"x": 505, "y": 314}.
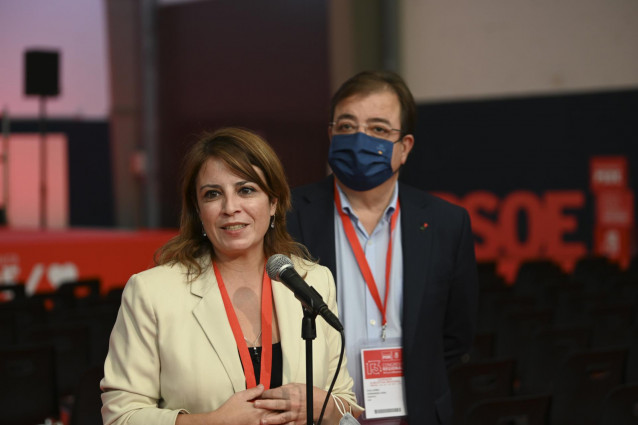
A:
{"x": 266, "y": 332}
{"x": 362, "y": 262}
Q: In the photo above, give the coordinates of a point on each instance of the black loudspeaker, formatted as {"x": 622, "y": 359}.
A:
{"x": 41, "y": 72}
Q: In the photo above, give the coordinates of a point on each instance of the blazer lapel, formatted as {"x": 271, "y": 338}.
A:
{"x": 211, "y": 315}
{"x": 289, "y": 315}
{"x": 417, "y": 240}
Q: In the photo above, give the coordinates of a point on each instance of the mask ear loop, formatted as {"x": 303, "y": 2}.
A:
{"x": 340, "y": 405}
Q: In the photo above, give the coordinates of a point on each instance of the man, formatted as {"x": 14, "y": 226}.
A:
{"x": 362, "y": 223}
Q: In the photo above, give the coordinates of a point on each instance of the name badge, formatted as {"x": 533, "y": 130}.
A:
{"x": 383, "y": 382}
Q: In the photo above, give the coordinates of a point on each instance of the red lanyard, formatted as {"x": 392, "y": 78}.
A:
{"x": 266, "y": 329}
{"x": 363, "y": 262}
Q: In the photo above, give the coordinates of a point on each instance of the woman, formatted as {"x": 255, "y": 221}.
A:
{"x": 189, "y": 328}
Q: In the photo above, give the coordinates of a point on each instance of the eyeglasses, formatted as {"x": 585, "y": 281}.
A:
{"x": 377, "y": 129}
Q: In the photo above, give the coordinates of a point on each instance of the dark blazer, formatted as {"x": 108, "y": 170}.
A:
{"x": 440, "y": 290}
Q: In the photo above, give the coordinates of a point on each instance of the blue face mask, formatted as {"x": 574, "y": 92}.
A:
{"x": 359, "y": 161}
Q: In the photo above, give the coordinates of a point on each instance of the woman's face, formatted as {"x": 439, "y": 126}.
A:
{"x": 235, "y": 212}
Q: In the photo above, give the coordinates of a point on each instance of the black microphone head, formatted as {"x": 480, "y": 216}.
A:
{"x": 276, "y": 263}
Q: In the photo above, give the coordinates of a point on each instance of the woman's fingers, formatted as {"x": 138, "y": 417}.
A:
{"x": 286, "y": 403}
{"x": 252, "y": 393}
{"x": 273, "y": 404}
{"x": 278, "y": 418}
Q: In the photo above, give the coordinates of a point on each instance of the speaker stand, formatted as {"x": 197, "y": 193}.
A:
{"x": 43, "y": 163}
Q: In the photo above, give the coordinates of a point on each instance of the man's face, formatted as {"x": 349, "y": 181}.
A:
{"x": 380, "y": 108}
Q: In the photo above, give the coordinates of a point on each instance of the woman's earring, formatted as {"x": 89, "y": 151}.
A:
{"x": 203, "y": 230}
{"x": 272, "y": 222}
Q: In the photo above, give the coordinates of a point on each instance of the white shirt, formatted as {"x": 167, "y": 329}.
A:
{"x": 358, "y": 311}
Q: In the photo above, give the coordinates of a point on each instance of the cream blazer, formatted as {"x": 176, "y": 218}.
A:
{"x": 172, "y": 348}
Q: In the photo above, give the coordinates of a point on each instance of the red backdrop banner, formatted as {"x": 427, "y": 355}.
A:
{"x": 42, "y": 260}
{"x": 614, "y": 208}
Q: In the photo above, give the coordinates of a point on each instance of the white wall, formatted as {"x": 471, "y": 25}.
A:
{"x": 449, "y": 49}
{"x": 462, "y": 49}
{"x": 77, "y": 29}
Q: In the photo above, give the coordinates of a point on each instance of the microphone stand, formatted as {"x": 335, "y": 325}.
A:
{"x": 309, "y": 332}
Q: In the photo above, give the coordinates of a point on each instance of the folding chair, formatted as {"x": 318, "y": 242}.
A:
{"x": 521, "y": 410}
{"x": 473, "y": 382}
{"x": 583, "y": 381}
{"x": 620, "y": 406}
{"x": 28, "y": 394}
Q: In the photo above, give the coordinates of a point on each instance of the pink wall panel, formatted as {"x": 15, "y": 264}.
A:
{"x": 23, "y": 173}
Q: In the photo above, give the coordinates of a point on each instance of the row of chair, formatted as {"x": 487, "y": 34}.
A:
{"x": 539, "y": 352}
{"x": 619, "y": 407}
{"x": 52, "y": 351}
{"x": 553, "y": 348}
{"x": 577, "y": 389}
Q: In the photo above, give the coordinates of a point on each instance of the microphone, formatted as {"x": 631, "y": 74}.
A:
{"x": 280, "y": 268}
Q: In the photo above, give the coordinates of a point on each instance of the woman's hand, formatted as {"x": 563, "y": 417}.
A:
{"x": 288, "y": 404}
{"x": 239, "y": 409}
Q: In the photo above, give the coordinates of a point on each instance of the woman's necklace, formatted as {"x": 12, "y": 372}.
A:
{"x": 253, "y": 346}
